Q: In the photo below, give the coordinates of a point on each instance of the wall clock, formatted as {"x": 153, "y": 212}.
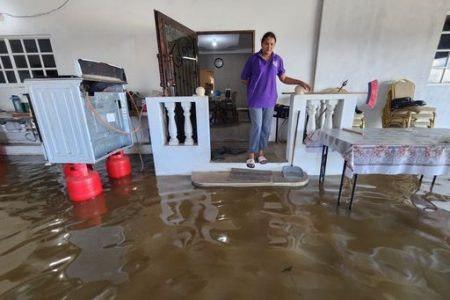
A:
{"x": 218, "y": 62}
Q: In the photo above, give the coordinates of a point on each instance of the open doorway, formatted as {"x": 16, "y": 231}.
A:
{"x": 213, "y": 60}
{"x": 221, "y": 58}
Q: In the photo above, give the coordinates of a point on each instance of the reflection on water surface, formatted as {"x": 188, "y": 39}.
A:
{"x": 162, "y": 238}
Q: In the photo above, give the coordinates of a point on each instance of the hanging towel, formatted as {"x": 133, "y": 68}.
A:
{"x": 373, "y": 94}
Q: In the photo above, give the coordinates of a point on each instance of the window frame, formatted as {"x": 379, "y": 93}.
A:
{"x": 10, "y": 54}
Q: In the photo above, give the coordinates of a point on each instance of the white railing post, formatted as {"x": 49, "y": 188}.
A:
{"x": 321, "y": 112}
{"x": 189, "y": 141}
{"x": 329, "y": 112}
{"x": 170, "y": 107}
{"x": 311, "y": 113}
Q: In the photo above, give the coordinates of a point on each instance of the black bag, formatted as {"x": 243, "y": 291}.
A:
{"x": 398, "y": 103}
{"x": 419, "y": 103}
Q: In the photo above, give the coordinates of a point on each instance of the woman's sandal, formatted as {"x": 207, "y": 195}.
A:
{"x": 250, "y": 163}
{"x": 262, "y": 160}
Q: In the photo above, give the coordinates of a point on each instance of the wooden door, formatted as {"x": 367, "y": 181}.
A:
{"x": 177, "y": 57}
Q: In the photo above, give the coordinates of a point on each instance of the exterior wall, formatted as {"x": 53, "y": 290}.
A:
{"x": 362, "y": 40}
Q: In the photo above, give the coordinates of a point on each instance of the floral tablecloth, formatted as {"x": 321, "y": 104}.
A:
{"x": 390, "y": 150}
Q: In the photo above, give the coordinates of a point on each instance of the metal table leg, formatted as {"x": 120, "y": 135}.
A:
{"x": 323, "y": 164}
{"x": 342, "y": 182}
{"x": 420, "y": 180}
{"x": 432, "y": 183}
{"x": 353, "y": 191}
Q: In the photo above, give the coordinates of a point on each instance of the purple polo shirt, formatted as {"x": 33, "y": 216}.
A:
{"x": 262, "y": 79}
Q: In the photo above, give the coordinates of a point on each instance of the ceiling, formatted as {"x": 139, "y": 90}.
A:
{"x": 225, "y": 43}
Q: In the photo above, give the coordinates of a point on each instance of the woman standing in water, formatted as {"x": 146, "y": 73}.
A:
{"x": 259, "y": 75}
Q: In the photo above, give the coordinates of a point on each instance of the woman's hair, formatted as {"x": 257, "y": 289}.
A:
{"x": 267, "y": 35}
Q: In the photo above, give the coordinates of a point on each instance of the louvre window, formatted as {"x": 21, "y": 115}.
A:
{"x": 440, "y": 69}
{"x": 26, "y": 57}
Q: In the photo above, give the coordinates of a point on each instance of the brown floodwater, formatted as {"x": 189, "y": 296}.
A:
{"x": 161, "y": 238}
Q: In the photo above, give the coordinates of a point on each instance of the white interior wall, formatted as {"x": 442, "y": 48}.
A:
{"x": 123, "y": 32}
{"x": 228, "y": 76}
{"x": 362, "y": 40}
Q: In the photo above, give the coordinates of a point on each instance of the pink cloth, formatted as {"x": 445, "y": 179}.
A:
{"x": 373, "y": 94}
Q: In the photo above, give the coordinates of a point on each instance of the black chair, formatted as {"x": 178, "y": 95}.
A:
{"x": 229, "y": 105}
{"x": 228, "y": 94}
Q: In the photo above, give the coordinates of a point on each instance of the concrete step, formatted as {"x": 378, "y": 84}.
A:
{"x": 237, "y": 177}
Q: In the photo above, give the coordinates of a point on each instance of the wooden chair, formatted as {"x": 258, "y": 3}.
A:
{"x": 358, "y": 120}
{"x": 412, "y": 116}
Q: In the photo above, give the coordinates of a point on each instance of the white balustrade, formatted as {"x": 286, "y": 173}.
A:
{"x": 316, "y": 111}
{"x": 172, "y": 128}
{"x": 169, "y": 153}
{"x": 170, "y": 107}
{"x": 320, "y": 114}
{"x": 189, "y": 141}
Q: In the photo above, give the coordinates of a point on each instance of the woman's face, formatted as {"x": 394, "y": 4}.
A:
{"x": 267, "y": 46}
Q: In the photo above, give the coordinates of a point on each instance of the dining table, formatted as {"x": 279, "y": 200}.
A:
{"x": 420, "y": 151}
